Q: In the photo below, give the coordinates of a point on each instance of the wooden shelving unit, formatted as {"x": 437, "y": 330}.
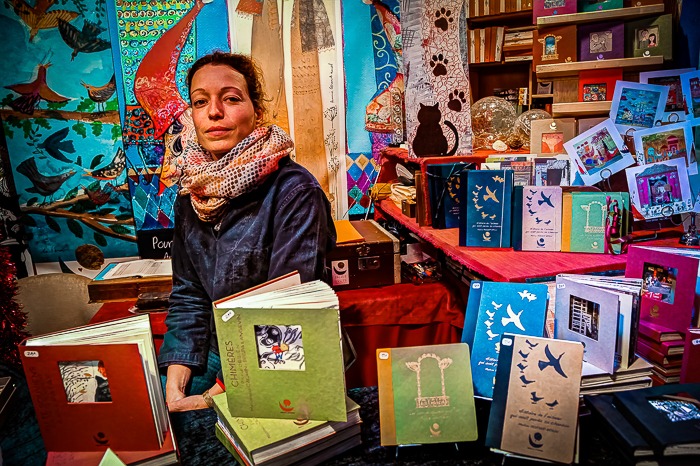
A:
{"x": 572, "y": 69}
{"x": 542, "y": 96}
{"x": 581, "y": 109}
{"x": 599, "y": 16}
{"x": 502, "y": 19}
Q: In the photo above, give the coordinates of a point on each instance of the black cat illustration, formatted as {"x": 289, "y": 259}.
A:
{"x": 430, "y": 140}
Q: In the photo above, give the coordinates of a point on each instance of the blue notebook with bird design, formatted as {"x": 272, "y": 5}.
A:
{"x": 518, "y": 308}
{"x": 485, "y": 210}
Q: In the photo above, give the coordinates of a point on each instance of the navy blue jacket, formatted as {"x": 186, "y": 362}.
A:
{"x": 282, "y": 226}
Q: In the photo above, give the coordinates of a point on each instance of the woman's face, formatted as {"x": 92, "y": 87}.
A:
{"x": 222, "y": 111}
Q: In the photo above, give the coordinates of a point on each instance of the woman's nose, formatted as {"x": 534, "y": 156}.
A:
{"x": 216, "y": 109}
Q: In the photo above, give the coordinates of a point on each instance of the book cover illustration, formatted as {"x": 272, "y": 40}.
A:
{"x": 485, "y": 215}
{"x": 690, "y": 85}
{"x": 433, "y": 399}
{"x": 660, "y": 189}
{"x": 675, "y": 104}
{"x": 598, "y": 153}
{"x": 541, "y": 217}
{"x": 547, "y": 137}
{"x": 589, "y": 315}
{"x": 554, "y": 45}
{"x": 535, "y": 403}
{"x": 589, "y": 212}
{"x": 516, "y": 308}
{"x": 282, "y": 363}
{"x": 649, "y": 37}
{"x": 443, "y": 184}
{"x": 638, "y": 106}
{"x": 85, "y": 381}
{"x": 668, "y": 142}
{"x": 601, "y": 41}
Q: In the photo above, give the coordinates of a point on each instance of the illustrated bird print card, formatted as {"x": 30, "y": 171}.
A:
{"x": 541, "y": 217}
{"x": 485, "y": 210}
{"x": 282, "y": 363}
{"x": 425, "y": 395}
{"x": 504, "y": 307}
{"x": 535, "y": 402}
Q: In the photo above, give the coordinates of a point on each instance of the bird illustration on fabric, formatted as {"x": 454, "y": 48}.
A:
{"x": 525, "y": 381}
{"x": 33, "y": 92}
{"x": 488, "y": 323}
{"x": 490, "y": 195}
{"x": 477, "y": 186}
{"x": 523, "y": 355}
{"x": 37, "y": 17}
{"x": 101, "y": 94}
{"x": 113, "y": 169}
{"x": 496, "y": 306}
{"x": 529, "y": 198}
{"x": 532, "y": 192}
{"x": 552, "y": 404}
{"x": 491, "y": 334}
{"x": 484, "y": 215}
{"x": 475, "y": 193}
{"x": 512, "y": 318}
{"x": 85, "y": 40}
{"x": 535, "y": 398}
{"x": 498, "y": 178}
{"x": 45, "y": 185}
{"x": 526, "y": 294}
{"x": 490, "y": 314}
{"x": 101, "y": 194}
{"x": 531, "y": 345}
{"x": 545, "y": 199}
{"x": 552, "y": 361}
{"x": 55, "y": 145}
{"x": 477, "y": 206}
{"x": 528, "y": 204}
{"x": 493, "y": 216}
{"x": 531, "y": 212}
{"x": 537, "y": 220}
{"x": 547, "y": 222}
{"x": 522, "y": 367}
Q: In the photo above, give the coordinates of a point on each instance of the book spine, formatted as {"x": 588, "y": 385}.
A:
{"x": 494, "y": 434}
{"x": 662, "y": 348}
{"x": 387, "y": 417}
{"x": 517, "y": 235}
{"x": 472, "y": 313}
{"x": 223, "y": 438}
{"x": 507, "y": 208}
{"x": 640, "y": 427}
{"x": 656, "y": 356}
{"x": 566, "y": 223}
{"x": 463, "y": 180}
{"x": 614, "y": 425}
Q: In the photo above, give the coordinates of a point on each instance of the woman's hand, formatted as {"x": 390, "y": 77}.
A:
{"x": 178, "y": 377}
{"x": 193, "y": 402}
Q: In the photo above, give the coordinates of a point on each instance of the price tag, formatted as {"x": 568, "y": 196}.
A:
{"x": 476, "y": 286}
{"x": 507, "y": 342}
{"x": 226, "y": 317}
{"x": 31, "y": 354}
{"x": 561, "y": 286}
{"x": 383, "y": 355}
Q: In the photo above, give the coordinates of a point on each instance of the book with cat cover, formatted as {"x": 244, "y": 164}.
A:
{"x": 541, "y": 218}
{"x": 536, "y": 398}
{"x": 282, "y": 441}
{"x": 666, "y": 416}
{"x": 670, "y": 297}
{"x": 518, "y": 308}
{"x": 426, "y": 395}
{"x": 445, "y": 198}
{"x": 97, "y": 386}
{"x": 282, "y": 352}
{"x": 584, "y": 217}
{"x": 485, "y": 212}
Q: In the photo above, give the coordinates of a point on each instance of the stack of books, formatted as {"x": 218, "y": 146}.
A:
{"x": 486, "y": 45}
{"x": 651, "y": 426}
{"x": 517, "y": 44}
{"x": 663, "y": 348}
{"x": 596, "y": 381}
{"x": 285, "y": 400}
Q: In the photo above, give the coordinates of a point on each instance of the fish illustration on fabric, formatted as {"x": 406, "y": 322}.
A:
{"x": 552, "y": 361}
{"x": 512, "y": 318}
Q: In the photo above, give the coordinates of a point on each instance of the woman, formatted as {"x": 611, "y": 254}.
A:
{"x": 245, "y": 214}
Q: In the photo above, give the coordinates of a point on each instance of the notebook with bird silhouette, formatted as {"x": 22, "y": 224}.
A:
{"x": 541, "y": 217}
{"x": 445, "y": 198}
{"x": 535, "y": 402}
{"x": 518, "y": 308}
{"x": 485, "y": 213}
{"x": 426, "y": 395}
{"x": 282, "y": 352}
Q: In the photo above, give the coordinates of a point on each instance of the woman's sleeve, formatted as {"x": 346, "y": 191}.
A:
{"x": 187, "y": 340}
{"x": 303, "y": 234}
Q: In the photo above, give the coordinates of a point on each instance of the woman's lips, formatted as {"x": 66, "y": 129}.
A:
{"x": 218, "y": 131}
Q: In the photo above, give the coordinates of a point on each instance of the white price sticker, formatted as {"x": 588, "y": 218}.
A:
{"x": 696, "y": 341}
{"x": 383, "y": 355}
{"x": 31, "y": 354}
{"x": 507, "y": 342}
{"x": 226, "y": 317}
{"x": 561, "y": 286}
{"x": 476, "y": 286}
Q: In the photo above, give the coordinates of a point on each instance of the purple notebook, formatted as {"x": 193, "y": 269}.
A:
{"x": 601, "y": 41}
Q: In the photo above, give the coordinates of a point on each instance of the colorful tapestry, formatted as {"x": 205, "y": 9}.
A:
{"x": 62, "y": 130}
{"x": 438, "y": 119}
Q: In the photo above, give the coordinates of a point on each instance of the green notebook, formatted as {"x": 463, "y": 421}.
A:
{"x": 426, "y": 395}
{"x": 263, "y": 439}
{"x": 588, "y": 214}
{"x": 282, "y": 363}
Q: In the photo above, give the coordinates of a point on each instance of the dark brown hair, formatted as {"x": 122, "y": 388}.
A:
{"x": 244, "y": 65}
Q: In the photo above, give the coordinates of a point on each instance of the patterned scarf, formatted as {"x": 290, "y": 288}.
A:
{"x": 211, "y": 183}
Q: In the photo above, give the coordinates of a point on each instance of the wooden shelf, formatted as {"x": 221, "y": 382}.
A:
{"x": 599, "y": 16}
{"x": 502, "y": 18}
{"x": 543, "y": 96}
{"x": 572, "y": 69}
{"x": 581, "y": 109}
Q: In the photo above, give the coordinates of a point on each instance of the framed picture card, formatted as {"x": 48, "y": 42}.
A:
{"x": 638, "y": 106}
{"x": 667, "y": 142}
{"x": 649, "y": 37}
{"x": 547, "y": 137}
{"x": 598, "y": 5}
{"x": 675, "y": 104}
{"x": 596, "y": 85}
{"x": 551, "y": 8}
{"x": 554, "y": 45}
{"x": 660, "y": 189}
{"x": 584, "y": 124}
{"x": 601, "y": 41}
{"x": 690, "y": 84}
{"x": 598, "y": 153}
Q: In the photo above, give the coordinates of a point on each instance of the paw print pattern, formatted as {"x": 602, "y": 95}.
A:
{"x": 444, "y": 18}
{"x": 457, "y": 98}
{"x": 439, "y": 65}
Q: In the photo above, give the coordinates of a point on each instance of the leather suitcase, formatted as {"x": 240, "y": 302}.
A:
{"x": 376, "y": 261}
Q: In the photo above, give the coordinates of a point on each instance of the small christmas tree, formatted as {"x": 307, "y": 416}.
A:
{"x": 12, "y": 319}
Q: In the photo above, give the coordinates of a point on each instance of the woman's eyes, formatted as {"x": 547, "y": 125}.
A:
{"x": 233, "y": 98}
{"x": 199, "y": 102}
{"x": 203, "y": 102}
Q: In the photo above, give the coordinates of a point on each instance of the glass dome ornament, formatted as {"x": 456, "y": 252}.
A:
{"x": 523, "y": 125}
{"x": 492, "y": 120}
